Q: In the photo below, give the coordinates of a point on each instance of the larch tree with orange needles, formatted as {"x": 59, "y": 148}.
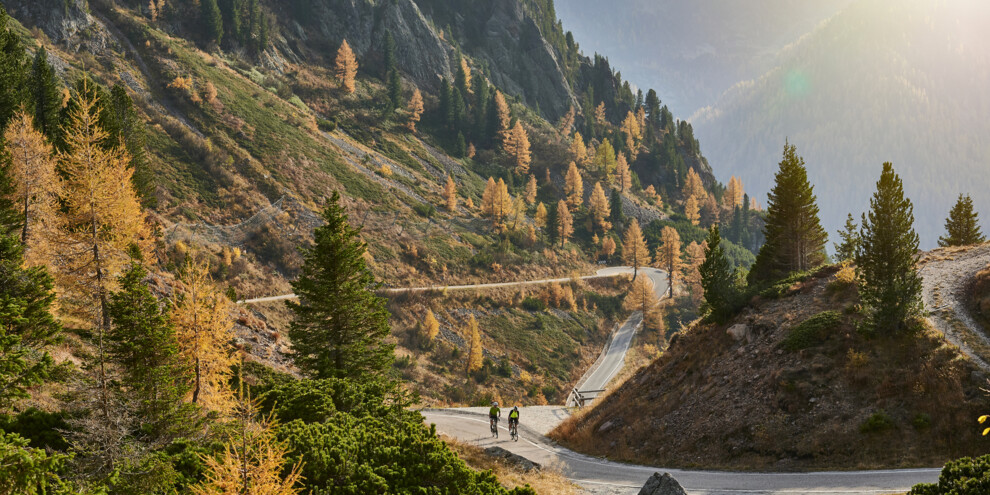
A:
{"x": 693, "y": 185}
{"x": 599, "y": 208}
{"x": 346, "y": 67}
{"x": 695, "y": 254}
{"x": 431, "y": 325}
{"x": 634, "y": 250}
{"x": 496, "y": 201}
{"x": 574, "y": 186}
{"x": 516, "y": 147}
{"x": 565, "y": 223}
{"x": 733, "y": 196}
{"x": 530, "y": 195}
{"x": 623, "y": 176}
{"x": 475, "y": 351}
{"x": 503, "y": 118}
{"x": 540, "y": 217}
{"x": 608, "y": 246}
{"x": 669, "y": 255}
{"x": 36, "y": 188}
{"x": 415, "y": 109}
{"x": 642, "y": 298}
{"x": 578, "y": 149}
{"x": 692, "y": 210}
{"x": 450, "y": 194}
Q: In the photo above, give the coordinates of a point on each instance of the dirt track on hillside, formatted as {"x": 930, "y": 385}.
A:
{"x": 946, "y": 275}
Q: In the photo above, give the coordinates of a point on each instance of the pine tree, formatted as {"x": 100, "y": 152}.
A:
{"x": 415, "y": 109}
{"x": 574, "y": 186}
{"x": 143, "y": 342}
{"x": 431, "y": 325}
{"x": 692, "y": 210}
{"x": 565, "y": 223}
{"x": 717, "y": 278}
{"x": 205, "y": 333}
{"x": 394, "y": 90}
{"x": 578, "y": 149}
{"x": 124, "y": 125}
{"x": 890, "y": 286}
{"x": 530, "y": 195}
{"x": 846, "y": 250}
{"x": 795, "y": 239}
{"x": 46, "y": 98}
{"x": 540, "y": 217}
{"x": 450, "y": 194}
{"x": 669, "y": 254}
{"x": 103, "y": 217}
{"x": 346, "y": 67}
{"x": 388, "y": 57}
{"x": 339, "y": 326}
{"x": 37, "y": 188}
{"x": 9, "y": 214}
{"x": 615, "y": 204}
{"x": 623, "y": 177}
{"x": 962, "y": 227}
{"x": 13, "y": 71}
{"x": 27, "y": 327}
{"x": 212, "y": 21}
{"x": 642, "y": 298}
{"x": 634, "y": 250}
{"x": 598, "y": 207}
{"x": 475, "y": 352}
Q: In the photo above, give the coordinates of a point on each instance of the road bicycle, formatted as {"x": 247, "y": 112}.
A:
{"x": 514, "y": 431}
{"x": 494, "y": 425}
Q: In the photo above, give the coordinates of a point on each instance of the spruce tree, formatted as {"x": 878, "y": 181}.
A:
{"x": 962, "y": 227}
{"x": 45, "y": 96}
{"x": 27, "y": 326}
{"x": 142, "y": 341}
{"x": 795, "y": 239}
{"x": 13, "y": 71}
{"x": 846, "y": 250}
{"x": 10, "y": 217}
{"x": 339, "y": 325}
{"x": 717, "y": 278}
{"x": 394, "y": 90}
{"x": 890, "y": 286}
{"x": 390, "y": 62}
{"x": 212, "y": 21}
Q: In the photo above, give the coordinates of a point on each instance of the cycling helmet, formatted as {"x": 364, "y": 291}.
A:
{"x": 494, "y": 404}
{"x": 515, "y": 408}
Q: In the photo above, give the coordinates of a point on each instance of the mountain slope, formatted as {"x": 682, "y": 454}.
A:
{"x": 881, "y": 81}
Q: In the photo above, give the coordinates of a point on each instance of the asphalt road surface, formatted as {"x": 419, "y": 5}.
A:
{"x": 605, "y": 477}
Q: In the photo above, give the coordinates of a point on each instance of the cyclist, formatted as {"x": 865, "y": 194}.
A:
{"x": 493, "y": 414}
{"x": 514, "y": 418}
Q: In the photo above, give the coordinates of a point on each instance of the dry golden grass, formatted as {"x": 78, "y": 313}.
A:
{"x": 546, "y": 481}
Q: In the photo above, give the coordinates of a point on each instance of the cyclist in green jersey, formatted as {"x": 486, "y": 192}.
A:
{"x": 514, "y": 417}
{"x": 493, "y": 414}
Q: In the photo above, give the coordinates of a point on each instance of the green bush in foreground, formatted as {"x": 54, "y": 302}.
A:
{"x": 966, "y": 476}
{"x": 812, "y": 331}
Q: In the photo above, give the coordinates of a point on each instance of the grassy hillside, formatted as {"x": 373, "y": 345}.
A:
{"x": 792, "y": 384}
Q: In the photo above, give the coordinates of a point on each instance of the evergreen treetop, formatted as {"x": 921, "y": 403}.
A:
{"x": 846, "y": 250}
{"x": 962, "y": 228}
{"x": 717, "y": 278}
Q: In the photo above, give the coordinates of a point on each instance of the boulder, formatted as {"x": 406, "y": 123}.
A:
{"x": 664, "y": 484}
{"x": 500, "y": 453}
{"x": 740, "y": 332}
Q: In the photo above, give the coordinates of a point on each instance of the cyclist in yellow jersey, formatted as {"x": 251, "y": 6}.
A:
{"x": 494, "y": 413}
{"x": 514, "y": 417}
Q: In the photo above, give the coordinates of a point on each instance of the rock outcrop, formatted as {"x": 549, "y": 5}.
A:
{"x": 500, "y": 453}
{"x": 664, "y": 484}
{"x": 66, "y": 22}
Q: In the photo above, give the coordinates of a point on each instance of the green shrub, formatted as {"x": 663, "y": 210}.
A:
{"x": 534, "y": 304}
{"x": 878, "y": 422}
{"x": 425, "y": 210}
{"x": 921, "y": 421}
{"x": 813, "y": 331}
{"x": 39, "y": 427}
{"x": 26, "y": 470}
{"x": 966, "y": 476}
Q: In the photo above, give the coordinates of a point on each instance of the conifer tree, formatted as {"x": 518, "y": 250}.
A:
{"x": 623, "y": 177}
{"x": 574, "y": 186}
{"x": 651, "y": 193}
{"x": 846, "y": 250}
{"x": 605, "y": 162}
{"x": 530, "y": 195}
{"x": 734, "y": 192}
{"x": 37, "y": 188}
{"x": 103, "y": 218}
{"x": 608, "y": 246}
{"x": 692, "y": 210}
{"x": 516, "y": 147}
{"x": 693, "y": 185}
{"x": 634, "y": 250}
{"x": 717, "y": 278}
{"x": 795, "y": 239}
{"x": 390, "y": 63}
{"x": 962, "y": 228}
{"x": 394, "y": 90}
{"x": 496, "y": 202}
{"x": 205, "y": 334}
{"x": 615, "y": 204}
{"x": 13, "y": 70}
{"x": 669, "y": 254}
{"x": 212, "y": 21}
{"x": 599, "y": 209}
{"x": 9, "y": 214}
{"x": 709, "y": 211}
{"x": 502, "y": 119}
{"x": 143, "y": 342}
{"x": 339, "y": 325}
{"x": 450, "y": 194}
{"x": 27, "y": 327}
{"x": 642, "y": 298}
{"x": 540, "y": 217}
{"x": 565, "y": 222}
{"x": 695, "y": 254}
{"x": 475, "y": 352}
{"x": 431, "y": 325}
{"x": 600, "y": 114}
{"x": 566, "y": 123}
{"x": 45, "y": 95}
{"x": 890, "y": 286}
{"x": 578, "y": 149}
{"x": 346, "y": 67}
{"x": 415, "y": 109}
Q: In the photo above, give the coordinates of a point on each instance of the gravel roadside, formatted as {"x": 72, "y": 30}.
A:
{"x": 946, "y": 274}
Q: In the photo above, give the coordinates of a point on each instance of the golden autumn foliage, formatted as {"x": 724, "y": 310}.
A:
{"x": 530, "y": 195}
{"x": 565, "y": 222}
{"x": 642, "y": 298}
{"x": 467, "y": 73}
{"x": 599, "y": 208}
{"x": 733, "y": 196}
{"x": 516, "y": 148}
{"x": 475, "y": 352}
{"x": 566, "y": 122}
{"x": 623, "y": 176}
{"x": 693, "y": 185}
{"x": 431, "y": 325}
{"x": 578, "y": 149}
{"x": 252, "y": 462}
{"x": 695, "y": 254}
{"x": 36, "y": 188}
{"x": 692, "y": 210}
{"x": 651, "y": 193}
{"x": 608, "y": 247}
{"x": 600, "y": 114}
{"x": 471, "y": 151}
{"x": 574, "y": 186}
{"x": 415, "y": 109}
{"x": 634, "y": 250}
{"x": 450, "y": 194}
{"x": 346, "y": 67}
{"x": 540, "y": 217}
{"x": 669, "y": 254}
{"x": 503, "y": 118}
{"x": 204, "y": 330}
{"x": 496, "y": 202}
{"x": 709, "y": 211}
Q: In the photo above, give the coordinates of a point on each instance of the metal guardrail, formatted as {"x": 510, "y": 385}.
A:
{"x": 579, "y": 397}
